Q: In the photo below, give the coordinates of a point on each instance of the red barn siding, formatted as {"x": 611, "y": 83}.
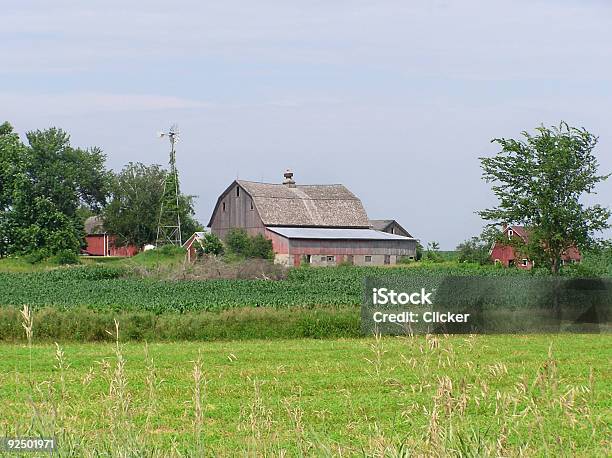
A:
{"x": 104, "y": 245}
{"x": 280, "y": 245}
{"x": 95, "y": 244}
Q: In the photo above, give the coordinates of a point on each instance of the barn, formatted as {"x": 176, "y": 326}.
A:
{"x": 314, "y": 224}
{"x": 505, "y": 254}
{"x": 100, "y": 243}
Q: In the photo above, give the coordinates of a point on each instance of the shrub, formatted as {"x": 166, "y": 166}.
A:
{"x": 65, "y": 257}
{"x": 166, "y": 254}
{"x": 169, "y": 250}
{"x": 433, "y": 252}
{"x": 238, "y": 242}
{"x": 419, "y": 251}
{"x": 474, "y": 250}
{"x": 86, "y": 325}
{"x": 36, "y": 256}
{"x": 261, "y": 247}
{"x": 405, "y": 260}
{"x": 212, "y": 244}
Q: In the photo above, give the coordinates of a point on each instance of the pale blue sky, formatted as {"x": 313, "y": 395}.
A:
{"x": 395, "y": 99}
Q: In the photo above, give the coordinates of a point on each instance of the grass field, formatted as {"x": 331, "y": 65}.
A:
{"x": 434, "y": 396}
{"x": 464, "y": 396}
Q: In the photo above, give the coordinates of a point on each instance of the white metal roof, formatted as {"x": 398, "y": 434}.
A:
{"x": 200, "y": 235}
{"x": 332, "y": 233}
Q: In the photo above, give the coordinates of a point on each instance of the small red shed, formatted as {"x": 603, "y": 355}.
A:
{"x": 193, "y": 243}
{"x": 101, "y": 243}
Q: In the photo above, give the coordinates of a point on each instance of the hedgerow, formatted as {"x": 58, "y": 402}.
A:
{"x": 86, "y": 325}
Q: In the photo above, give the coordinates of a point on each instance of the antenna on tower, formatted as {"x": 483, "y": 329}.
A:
{"x": 169, "y": 223}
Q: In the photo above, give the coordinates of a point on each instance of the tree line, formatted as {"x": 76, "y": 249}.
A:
{"x": 49, "y": 187}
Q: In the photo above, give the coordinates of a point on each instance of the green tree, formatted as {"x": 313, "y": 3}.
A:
{"x": 212, "y": 244}
{"x": 476, "y": 249}
{"x": 261, "y": 247}
{"x": 419, "y": 251}
{"x": 433, "y": 252}
{"x": 540, "y": 181}
{"x": 133, "y": 211}
{"x": 44, "y": 184}
{"x": 11, "y": 170}
{"x": 238, "y": 242}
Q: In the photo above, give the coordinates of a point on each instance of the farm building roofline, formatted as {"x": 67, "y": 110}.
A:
{"x": 302, "y": 205}
{"x": 335, "y": 233}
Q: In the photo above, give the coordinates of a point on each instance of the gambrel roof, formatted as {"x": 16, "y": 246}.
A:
{"x": 304, "y": 205}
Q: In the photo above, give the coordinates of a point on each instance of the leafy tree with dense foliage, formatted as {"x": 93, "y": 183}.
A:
{"x": 476, "y": 249}
{"x": 595, "y": 263}
{"x": 133, "y": 211}
{"x": 237, "y": 241}
{"x": 540, "y": 181}
{"x": 213, "y": 244}
{"x": 473, "y": 250}
{"x": 44, "y": 186}
{"x": 261, "y": 247}
{"x": 240, "y": 244}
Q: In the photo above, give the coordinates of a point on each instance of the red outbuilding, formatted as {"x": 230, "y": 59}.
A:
{"x": 193, "y": 243}
{"x": 506, "y": 255}
{"x": 101, "y": 243}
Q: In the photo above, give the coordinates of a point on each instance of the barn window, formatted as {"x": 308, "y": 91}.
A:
{"x": 223, "y": 206}
{"x": 323, "y": 258}
{"x": 510, "y": 233}
{"x": 368, "y": 259}
{"x": 251, "y": 204}
{"x": 524, "y": 262}
{"x": 237, "y": 191}
{"x": 331, "y": 258}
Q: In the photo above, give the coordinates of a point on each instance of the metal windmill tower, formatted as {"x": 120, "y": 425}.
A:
{"x": 169, "y": 225}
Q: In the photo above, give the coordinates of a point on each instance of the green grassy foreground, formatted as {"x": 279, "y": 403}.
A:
{"x": 429, "y": 396}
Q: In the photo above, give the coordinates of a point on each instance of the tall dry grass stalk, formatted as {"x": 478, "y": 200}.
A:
{"x": 199, "y": 385}
{"x": 27, "y": 321}
{"x": 119, "y": 398}
{"x": 152, "y": 383}
{"x": 296, "y": 416}
{"x": 378, "y": 351}
{"x": 61, "y": 367}
{"x": 257, "y": 419}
